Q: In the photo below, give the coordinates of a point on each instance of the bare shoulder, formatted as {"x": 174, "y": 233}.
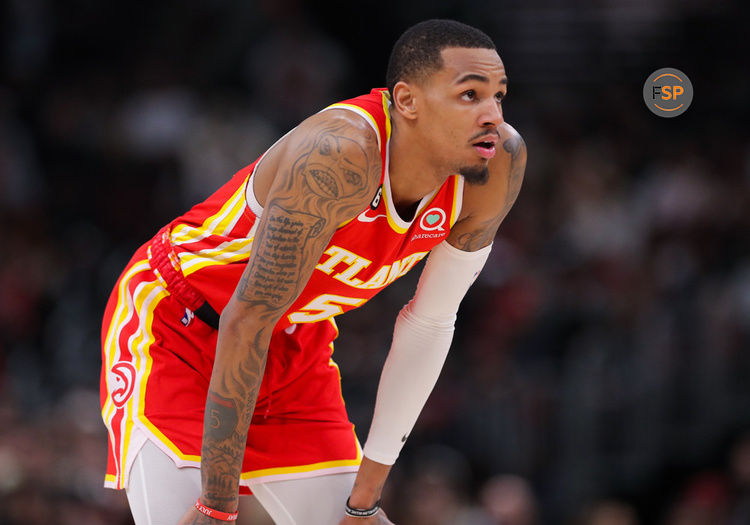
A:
{"x": 341, "y": 123}
{"x": 511, "y": 172}
{"x": 324, "y": 172}
{"x": 337, "y": 154}
{"x": 505, "y": 177}
{"x": 513, "y": 143}
{"x": 485, "y": 206}
{"x": 333, "y": 154}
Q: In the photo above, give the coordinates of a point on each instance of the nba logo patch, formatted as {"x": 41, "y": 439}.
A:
{"x": 187, "y": 318}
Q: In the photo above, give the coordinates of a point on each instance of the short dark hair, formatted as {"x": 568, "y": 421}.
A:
{"x": 417, "y": 52}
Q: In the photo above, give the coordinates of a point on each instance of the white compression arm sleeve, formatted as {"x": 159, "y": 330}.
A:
{"x": 421, "y": 339}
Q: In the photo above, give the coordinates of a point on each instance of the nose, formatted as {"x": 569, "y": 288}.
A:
{"x": 492, "y": 114}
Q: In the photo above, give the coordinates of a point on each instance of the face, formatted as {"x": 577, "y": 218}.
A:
{"x": 326, "y": 159}
{"x": 460, "y": 110}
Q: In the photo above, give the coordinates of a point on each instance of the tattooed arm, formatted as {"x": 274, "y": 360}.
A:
{"x": 485, "y": 206}
{"x": 324, "y": 173}
{"x": 424, "y": 328}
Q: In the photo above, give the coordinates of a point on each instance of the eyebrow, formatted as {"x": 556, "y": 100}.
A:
{"x": 480, "y": 78}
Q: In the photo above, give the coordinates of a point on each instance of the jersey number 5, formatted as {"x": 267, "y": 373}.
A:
{"x": 323, "y": 307}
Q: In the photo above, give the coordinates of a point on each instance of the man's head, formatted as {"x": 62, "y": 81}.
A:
{"x": 417, "y": 52}
{"x": 446, "y": 82}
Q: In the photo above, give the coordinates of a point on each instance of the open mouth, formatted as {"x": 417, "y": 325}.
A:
{"x": 321, "y": 181}
{"x": 485, "y": 148}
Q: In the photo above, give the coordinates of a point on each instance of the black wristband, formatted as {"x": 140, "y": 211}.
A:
{"x": 361, "y": 513}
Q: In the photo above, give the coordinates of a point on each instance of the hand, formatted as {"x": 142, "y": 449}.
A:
{"x": 193, "y": 517}
{"x": 378, "y": 519}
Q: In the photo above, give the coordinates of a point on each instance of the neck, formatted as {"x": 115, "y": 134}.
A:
{"x": 412, "y": 175}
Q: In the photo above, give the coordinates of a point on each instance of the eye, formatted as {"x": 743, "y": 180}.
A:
{"x": 325, "y": 147}
{"x": 469, "y": 95}
{"x": 499, "y": 96}
{"x": 352, "y": 177}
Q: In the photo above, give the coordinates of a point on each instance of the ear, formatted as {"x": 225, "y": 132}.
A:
{"x": 405, "y": 100}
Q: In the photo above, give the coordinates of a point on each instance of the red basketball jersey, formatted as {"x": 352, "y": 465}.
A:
{"x": 213, "y": 241}
{"x": 157, "y": 363}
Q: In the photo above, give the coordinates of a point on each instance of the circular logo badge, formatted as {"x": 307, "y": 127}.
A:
{"x": 668, "y": 92}
{"x": 433, "y": 219}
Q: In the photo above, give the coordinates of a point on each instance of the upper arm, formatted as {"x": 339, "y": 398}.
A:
{"x": 327, "y": 170}
{"x": 486, "y": 206}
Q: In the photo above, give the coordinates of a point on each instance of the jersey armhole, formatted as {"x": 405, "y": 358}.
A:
{"x": 252, "y": 200}
{"x": 459, "y": 202}
{"x": 359, "y": 111}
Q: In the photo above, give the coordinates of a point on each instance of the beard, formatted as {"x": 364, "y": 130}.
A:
{"x": 476, "y": 175}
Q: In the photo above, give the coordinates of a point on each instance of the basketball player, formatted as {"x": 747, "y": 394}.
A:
{"x": 202, "y": 407}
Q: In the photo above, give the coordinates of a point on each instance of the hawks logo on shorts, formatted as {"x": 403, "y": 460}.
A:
{"x": 121, "y": 382}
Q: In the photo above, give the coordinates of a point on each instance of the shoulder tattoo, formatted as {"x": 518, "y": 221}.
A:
{"x": 485, "y": 232}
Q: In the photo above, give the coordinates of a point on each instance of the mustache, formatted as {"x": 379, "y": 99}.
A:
{"x": 484, "y": 133}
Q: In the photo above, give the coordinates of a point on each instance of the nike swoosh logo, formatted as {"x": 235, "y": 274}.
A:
{"x": 363, "y": 217}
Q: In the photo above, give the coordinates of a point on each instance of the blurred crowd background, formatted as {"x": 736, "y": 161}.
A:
{"x": 600, "y": 372}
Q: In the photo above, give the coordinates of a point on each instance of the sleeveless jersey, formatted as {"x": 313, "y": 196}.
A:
{"x": 213, "y": 241}
{"x": 157, "y": 363}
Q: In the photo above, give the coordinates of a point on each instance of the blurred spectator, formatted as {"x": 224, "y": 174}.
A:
{"x": 224, "y": 134}
{"x": 435, "y": 492}
{"x": 703, "y": 502}
{"x": 294, "y": 69}
{"x": 608, "y": 512}
{"x": 739, "y": 470}
{"x": 509, "y": 500}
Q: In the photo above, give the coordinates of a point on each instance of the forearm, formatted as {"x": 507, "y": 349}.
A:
{"x": 409, "y": 374}
{"x": 421, "y": 340}
{"x": 368, "y": 486}
{"x": 233, "y": 391}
